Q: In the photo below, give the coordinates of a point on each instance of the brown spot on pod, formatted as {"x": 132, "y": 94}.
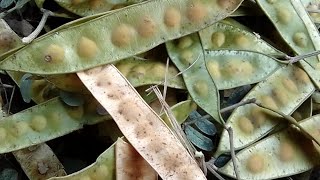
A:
{"x": 129, "y": 110}
{"x": 245, "y": 125}
{"x": 213, "y": 69}
{"x": 286, "y": 151}
{"x": 19, "y": 128}
{"x": 87, "y": 48}
{"x": 196, "y": 12}
{"x": 143, "y": 131}
{"x": 185, "y": 42}
{"x": 172, "y": 17}
{"x": 95, "y": 4}
{"x": 38, "y": 123}
{"x": 300, "y": 39}
{"x": 255, "y": 163}
{"x": 100, "y": 173}
{"x": 147, "y": 27}
{"x": 218, "y": 39}
{"x": 3, "y": 135}
{"x": 201, "y": 88}
{"x": 6, "y": 40}
{"x": 53, "y": 54}
{"x": 122, "y": 35}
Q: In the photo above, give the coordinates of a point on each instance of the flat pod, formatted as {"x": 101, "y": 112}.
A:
{"x": 130, "y": 165}
{"x": 294, "y": 25}
{"x": 91, "y": 7}
{"x": 39, "y": 162}
{"x": 196, "y": 77}
{"x": 103, "y": 168}
{"x": 283, "y": 154}
{"x": 37, "y": 124}
{"x": 8, "y": 39}
{"x": 140, "y": 73}
{"x": 284, "y": 91}
{"x": 229, "y": 68}
{"x": 150, "y": 30}
{"x": 223, "y": 35}
{"x": 138, "y": 122}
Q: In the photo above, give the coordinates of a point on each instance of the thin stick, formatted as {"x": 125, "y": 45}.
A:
{"x": 295, "y": 59}
{"x": 11, "y": 97}
{"x": 233, "y": 154}
{"x": 36, "y": 32}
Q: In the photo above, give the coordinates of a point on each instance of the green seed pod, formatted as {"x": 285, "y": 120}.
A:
{"x": 80, "y": 46}
{"x": 282, "y": 154}
{"x": 229, "y": 68}
{"x": 299, "y": 32}
{"x": 233, "y": 36}
{"x": 196, "y": 77}
{"x": 269, "y": 94}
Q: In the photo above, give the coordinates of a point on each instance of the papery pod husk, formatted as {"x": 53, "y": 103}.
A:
{"x": 138, "y": 122}
{"x": 130, "y": 164}
{"x": 283, "y": 154}
{"x": 39, "y": 162}
{"x": 56, "y": 54}
{"x": 187, "y": 54}
{"x": 103, "y": 168}
{"x": 284, "y": 91}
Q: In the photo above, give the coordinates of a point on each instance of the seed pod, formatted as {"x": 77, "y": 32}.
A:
{"x": 262, "y": 120}
{"x": 195, "y": 75}
{"x": 224, "y": 35}
{"x": 103, "y": 168}
{"x": 81, "y": 47}
{"x": 229, "y": 68}
{"x": 282, "y": 154}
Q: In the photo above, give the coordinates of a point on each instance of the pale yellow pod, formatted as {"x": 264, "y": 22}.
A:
{"x": 172, "y": 17}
